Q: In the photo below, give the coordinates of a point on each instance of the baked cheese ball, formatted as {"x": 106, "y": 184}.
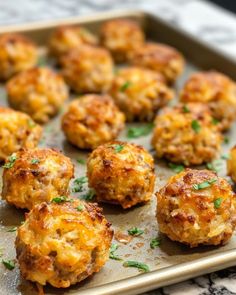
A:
{"x": 121, "y": 173}
{"x": 231, "y": 164}
{"x": 196, "y": 207}
{"x": 17, "y": 130}
{"x": 139, "y": 93}
{"x": 161, "y": 58}
{"x": 17, "y": 53}
{"x": 39, "y": 92}
{"x": 63, "y": 243}
{"x": 35, "y": 176}
{"x": 121, "y": 37}
{"x": 68, "y": 37}
{"x": 87, "y": 69}
{"x": 216, "y": 90}
{"x": 186, "y": 134}
{"x": 92, "y": 120}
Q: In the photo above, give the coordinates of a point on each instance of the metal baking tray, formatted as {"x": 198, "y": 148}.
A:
{"x": 169, "y": 263}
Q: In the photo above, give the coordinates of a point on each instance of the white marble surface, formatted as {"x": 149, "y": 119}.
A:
{"x": 200, "y": 18}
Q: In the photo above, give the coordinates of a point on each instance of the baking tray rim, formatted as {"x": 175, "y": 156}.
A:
{"x": 167, "y": 275}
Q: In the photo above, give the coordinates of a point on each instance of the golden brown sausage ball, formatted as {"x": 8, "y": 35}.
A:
{"x": 63, "y": 243}
{"x": 197, "y": 207}
{"x": 17, "y": 53}
{"x": 92, "y": 120}
{"x": 36, "y": 175}
{"x": 121, "y": 173}
{"x": 17, "y": 130}
{"x": 216, "y": 90}
{"x": 139, "y": 93}
{"x": 121, "y": 37}
{"x": 68, "y": 37}
{"x": 231, "y": 164}
{"x": 161, "y": 58}
{"x": 87, "y": 69}
{"x": 186, "y": 134}
{"x": 39, "y": 92}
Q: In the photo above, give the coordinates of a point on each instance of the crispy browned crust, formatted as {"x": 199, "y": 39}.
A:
{"x": 231, "y": 164}
{"x": 65, "y": 38}
{"x": 39, "y": 92}
{"x": 17, "y": 130}
{"x": 175, "y": 139}
{"x": 189, "y": 216}
{"x": 161, "y": 58}
{"x": 125, "y": 177}
{"x": 217, "y": 91}
{"x": 87, "y": 69}
{"x": 121, "y": 37}
{"x": 60, "y": 245}
{"x": 145, "y": 94}
{"x": 92, "y": 120}
{"x": 17, "y": 53}
{"x": 27, "y": 183}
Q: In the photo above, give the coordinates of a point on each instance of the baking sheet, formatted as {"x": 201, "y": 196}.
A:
{"x": 171, "y": 262}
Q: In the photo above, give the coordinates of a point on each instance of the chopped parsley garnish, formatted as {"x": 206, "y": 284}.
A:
{"x": 155, "y": 243}
{"x": 35, "y": 161}
{"x": 135, "y": 132}
{"x": 204, "y": 184}
{"x": 186, "y": 109}
{"x": 134, "y": 231}
{"x": 112, "y": 255}
{"x": 225, "y": 156}
{"x": 125, "y": 86}
{"x": 11, "y": 161}
{"x": 226, "y": 140}
{"x": 61, "y": 199}
{"x": 80, "y": 208}
{"x": 79, "y": 182}
{"x": 81, "y": 161}
{"x": 214, "y": 166}
{"x": 215, "y": 121}
{"x": 196, "y": 126}
{"x": 11, "y": 230}
{"x": 117, "y": 147}
{"x": 42, "y": 61}
{"x": 217, "y": 203}
{"x": 176, "y": 168}
{"x": 31, "y": 123}
{"x": 141, "y": 266}
{"x": 88, "y": 196}
{"x": 9, "y": 264}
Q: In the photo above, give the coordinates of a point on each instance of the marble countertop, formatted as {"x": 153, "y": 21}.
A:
{"x": 201, "y": 18}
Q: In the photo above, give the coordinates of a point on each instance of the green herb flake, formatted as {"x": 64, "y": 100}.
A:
{"x": 186, "y": 109}
{"x": 214, "y": 166}
{"x": 88, "y": 196}
{"x": 35, "y": 161}
{"x": 225, "y": 156}
{"x": 205, "y": 184}
{"x": 134, "y": 231}
{"x": 155, "y": 243}
{"x": 112, "y": 254}
{"x": 125, "y": 86}
{"x": 13, "y": 229}
{"x": 196, "y": 126}
{"x": 61, "y": 199}
{"x": 9, "y": 264}
{"x": 42, "y": 61}
{"x": 11, "y": 161}
{"x": 141, "y": 266}
{"x": 135, "y": 132}
{"x": 80, "y": 208}
{"x": 31, "y": 123}
{"x": 217, "y": 203}
{"x": 226, "y": 140}
{"x": 79, "y": 183}
{"x": 117, "y": 147}
{"x": 81, "y": 161}
{"x": 176, "y": 168}
{"x": 215, "y": 121}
